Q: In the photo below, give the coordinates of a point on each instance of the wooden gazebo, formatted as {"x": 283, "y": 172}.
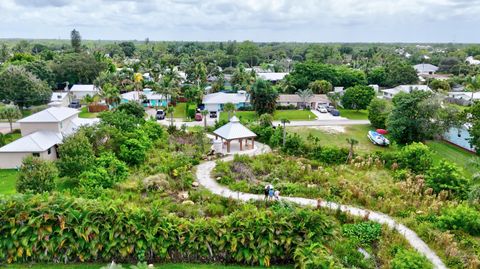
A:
{"x": 234, "y": 130}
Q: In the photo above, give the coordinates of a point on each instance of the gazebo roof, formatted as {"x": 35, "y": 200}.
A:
{"x": 234, "y": 130}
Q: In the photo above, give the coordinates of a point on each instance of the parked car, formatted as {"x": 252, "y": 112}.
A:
{"x": 213, "y": 114}
{"x": 75, "y": 104}
{"x": 335, "y": 112}
{"x": 329, "y": 108}
{"x": 198, "y": 117}
{"x": 322, "y": 109}
{"x": 160, "y": 114}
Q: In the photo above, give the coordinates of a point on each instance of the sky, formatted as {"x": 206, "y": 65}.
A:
{"x": 258, "y": 20}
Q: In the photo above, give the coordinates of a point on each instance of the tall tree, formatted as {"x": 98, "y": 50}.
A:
{"x": 320, "y": 86}
{"x": 473, "y": 117}
{"x": 352, "y": 142}
{"x": 263, "y": 97}
{"x": 229, "y": 108}
{"x": 23, "y": 88}
{"x": 10, "y": 113}
{"x": 357, "y": 97}
{"x": 378, "y": 112}
{"x": 76, "y": 40}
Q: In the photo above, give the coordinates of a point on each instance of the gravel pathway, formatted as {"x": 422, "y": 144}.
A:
{"x": 205, "y": 169}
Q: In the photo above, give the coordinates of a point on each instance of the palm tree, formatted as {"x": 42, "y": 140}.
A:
{"x": 305, "y": 96}
{"x": 334, "y": 98}
{"x": 473, "y": 85}
{"x": 352, "y": 142}
{"x": 284, "y": 121}
{"x": 229, "y": 107}
{"x": 10, "y": 113}
{"x": 111, "y": 94}
{"x": 137, "y": 81}
{"x": 170, "y": 111}
{"x": 204, "y": 115}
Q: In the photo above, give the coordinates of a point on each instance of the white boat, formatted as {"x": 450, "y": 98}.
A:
{"x": 378, "y": 139}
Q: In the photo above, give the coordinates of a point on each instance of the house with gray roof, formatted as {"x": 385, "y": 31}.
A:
{"x": 424, "y": 69}
{"x": 390, "y": 93}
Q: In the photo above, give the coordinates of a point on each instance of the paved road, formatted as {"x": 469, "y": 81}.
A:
{"x": 204, "y": 177}
{"x": 5, "y": 127}
{"x": 324, "y": 122}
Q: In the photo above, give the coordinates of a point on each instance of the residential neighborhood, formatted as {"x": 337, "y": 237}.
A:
{"x": 239, "y": 134}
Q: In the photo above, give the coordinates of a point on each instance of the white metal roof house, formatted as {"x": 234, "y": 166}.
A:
{"x": 147, "y": 97}
{"x": 216, "y": 101}
{"x": 79, "y": 91}
{"x": 41, "y": 133}
{"x": 425, "y": 69}
{"x": 470, "y": 60}
{"x": 59, "y": 99}
{"x": 272, "y": 77}
{"x": 390, "y": 93}
{"x": 294, "y": 99}
{"x": 234, "y": 130}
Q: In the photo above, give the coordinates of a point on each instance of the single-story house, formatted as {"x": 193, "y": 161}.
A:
{"x": 59, "y": 99}
{"x": 390, "y": 93}
{"x": 41, "y": 134}
{"x": 216, "y": 101}
{"x": 459, "y": 137}
{"x": 147, "y": 97}
{"x": 470, "y": 96}
{"x": 472, "y": 61}
{"x": 425, "y": 69}
{"x": 294, "y": 99}
{"x": 272, "y": 77}
{"x": 79, "y": 91}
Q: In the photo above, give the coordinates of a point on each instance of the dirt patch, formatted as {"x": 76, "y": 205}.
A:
{"x": 330, "y": 129}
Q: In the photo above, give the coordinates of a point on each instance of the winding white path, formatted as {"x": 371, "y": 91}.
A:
{"x": 204, "y": 177}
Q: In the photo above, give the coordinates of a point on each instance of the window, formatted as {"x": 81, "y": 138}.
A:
{"x": 36, "y": 154}
{"x": 49, "y": 151}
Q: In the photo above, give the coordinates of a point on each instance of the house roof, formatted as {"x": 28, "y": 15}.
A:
{"x": 425, "y": 68}
{"x": 234, "y": 130}
{"x": 38, "y": 141}
{"x": 272, "y": 76}
{"x": 84, "y": 88}
{"x": 223, "y": 98}
{"x": 407, "y": 89}
{"x": 58, "y": 96}
{"x": 76, "y": 123}
{"x": 295, "y": 98}
{"x": 135, "y": 95}
{"x": 52, "y": 114}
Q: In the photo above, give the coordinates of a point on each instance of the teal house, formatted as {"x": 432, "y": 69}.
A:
{"x": 147, "y": 98}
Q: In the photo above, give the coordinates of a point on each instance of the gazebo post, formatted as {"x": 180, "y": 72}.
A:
{"x": 253, "y": 142}
{"x": 228, "y": 146}
{"x": 240, "y": 140}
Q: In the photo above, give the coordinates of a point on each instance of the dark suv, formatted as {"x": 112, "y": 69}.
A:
{"x": 160, "y": 115}
{"x": 75, "y": 104}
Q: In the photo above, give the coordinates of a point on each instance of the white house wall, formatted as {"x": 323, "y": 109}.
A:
{"x": 13, "y": 160}
{"x": 459, "y": 137}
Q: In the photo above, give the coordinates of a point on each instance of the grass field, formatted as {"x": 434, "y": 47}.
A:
{"x": 9, "y": 138}
{"x": 85, "y": 114}
{"x": 180, "y": 111}
{"x": 354, "y": 114}
{"x": 453, "y": 154}
{"x": 278, "y": 115}
{"x": 161, "y": 266}
{"x": 329, "y": 137}
{"x": 7, "y": 181}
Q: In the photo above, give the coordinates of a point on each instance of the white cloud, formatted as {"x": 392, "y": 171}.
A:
{"x": 289, "y": 20}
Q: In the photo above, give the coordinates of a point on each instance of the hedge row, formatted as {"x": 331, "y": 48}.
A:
{"x": 45, "y": 228}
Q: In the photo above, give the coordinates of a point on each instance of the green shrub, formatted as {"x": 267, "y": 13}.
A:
{"x": 313, "y": 256}
{"x": 408, "y": 259}
{"x": 191, "y": 110}
{"x": 417, "y": 157}
{"x": 133, "y": 152}
{"x": 132, "y": 108}
{"x": 365, "y": 233}
{"x": 36, "y": 175}
{"x": 85, "y": 230}
{"x": 152, "y": 130}
{"x": 294, "y": 145}
{"x": 462, "y": 217}
{"x": 446, "y": 176}
{"x": 76, "y": 155}
{"x": 329, "y": 155}
{"x": 108, "y": 171}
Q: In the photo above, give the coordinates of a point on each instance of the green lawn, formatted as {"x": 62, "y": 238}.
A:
{"x": 354, "y": 114}
{"x": 180, "y": 111}
{"x": 85, "y": 114}
{"x": 453, "y": 154}
{"x": 278, "y": 115}
{"x": 329, "y": 137}
{"x": 161, "y": 266}
{"x": 12, "y": 136}
{"x": 7, "y": 181}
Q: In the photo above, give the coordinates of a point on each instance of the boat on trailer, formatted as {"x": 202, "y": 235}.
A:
{"x": 378, "y": 139}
